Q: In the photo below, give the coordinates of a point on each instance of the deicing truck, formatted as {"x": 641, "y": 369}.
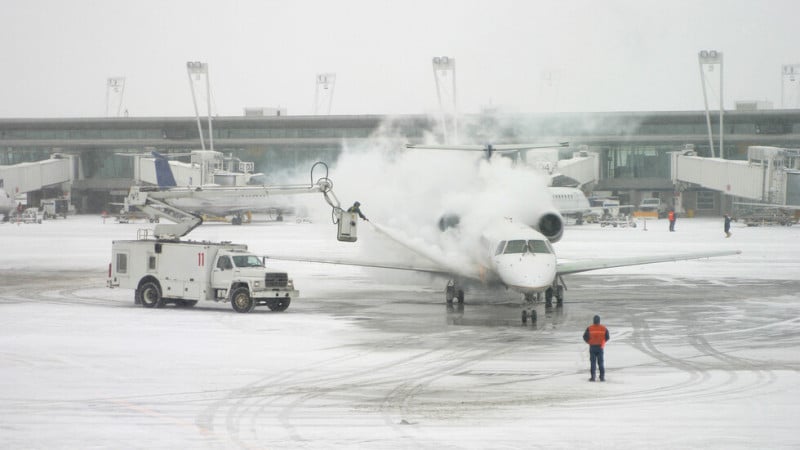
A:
{"x": 185, "y": 272}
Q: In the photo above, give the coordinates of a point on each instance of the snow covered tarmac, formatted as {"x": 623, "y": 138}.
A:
{"x": 703, "y": 353}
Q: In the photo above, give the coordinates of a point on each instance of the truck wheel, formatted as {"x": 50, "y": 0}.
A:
{"x": 279, "y": 305}
{"x": 241, "y": 300}
{"x": 150, "y": 293}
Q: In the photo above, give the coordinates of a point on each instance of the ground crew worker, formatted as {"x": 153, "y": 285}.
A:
{"x": 727, "y": 226}
{"x": 356, "y": 208}
{"x": 671, "y": 217}
{"x": 596, "y": 336}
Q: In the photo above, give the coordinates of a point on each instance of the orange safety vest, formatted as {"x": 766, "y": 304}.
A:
{"x": 597, "y": 335}
{"x": 671, "y": 216}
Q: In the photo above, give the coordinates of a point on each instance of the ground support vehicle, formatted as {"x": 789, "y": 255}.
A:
{"x": 29, "y": 215}
{"x": 621, "y": 220}
{"x": 185, "y": 272}
{"x": 53, "y": 208}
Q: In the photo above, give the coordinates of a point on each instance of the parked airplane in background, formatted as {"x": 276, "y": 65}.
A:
{"x": 224, "y": 200}
{"x": 6, "y": 205}
{"x": 571, "y": 201}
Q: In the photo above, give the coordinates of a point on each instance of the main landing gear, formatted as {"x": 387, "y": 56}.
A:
{"x": 453, "y": 291}
{"x": 532, "y": 300}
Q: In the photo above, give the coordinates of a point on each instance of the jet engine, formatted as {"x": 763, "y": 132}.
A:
{"x": 550, "y": 224}
{"x": 449, "y": 221}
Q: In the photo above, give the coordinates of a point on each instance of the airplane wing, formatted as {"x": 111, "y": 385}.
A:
{"x": 565, "y": 268}
{"x": 500, "y": 148}
{"x": 374, "y": 265}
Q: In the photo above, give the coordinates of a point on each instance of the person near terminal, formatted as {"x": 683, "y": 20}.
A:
{"x": 596, "y": 335}
{"x": 671, "y": 217}
{"x": 356, "y": 208}
{"x": 727, "y": 226}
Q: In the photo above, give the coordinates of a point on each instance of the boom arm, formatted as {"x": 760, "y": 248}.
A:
{"x": 145, "y": 201}
{"x": 155, "y": 203}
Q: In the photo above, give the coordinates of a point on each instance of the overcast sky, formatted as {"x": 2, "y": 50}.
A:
{"x": 613, "y": 55}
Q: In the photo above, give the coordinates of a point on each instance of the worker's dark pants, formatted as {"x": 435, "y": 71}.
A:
{"x": 596, "y": 358}
{"x": 671, "y": 225}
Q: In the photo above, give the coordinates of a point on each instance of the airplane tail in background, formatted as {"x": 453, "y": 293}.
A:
{"x": 163, "y": 172}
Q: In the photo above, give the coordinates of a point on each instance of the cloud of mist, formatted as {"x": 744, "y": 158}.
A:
{"x": 408, "y": 191}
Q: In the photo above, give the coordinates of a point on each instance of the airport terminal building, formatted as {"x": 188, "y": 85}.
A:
{"x": 634, "y": 147}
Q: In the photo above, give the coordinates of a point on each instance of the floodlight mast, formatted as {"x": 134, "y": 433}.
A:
{"x": 710, "y": 58}
{"x": 442, "y": 67}
{"x": 790, "y": 72}
{"x": 117, "y": 86}
{"x": 200, "y": 68}
{"x": 328, "y": 83}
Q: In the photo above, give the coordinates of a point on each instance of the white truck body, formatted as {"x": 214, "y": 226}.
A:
{"x": 185, "y": 272}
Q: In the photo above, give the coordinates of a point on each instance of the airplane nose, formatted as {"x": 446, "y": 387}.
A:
{"x": 527, "y": 272}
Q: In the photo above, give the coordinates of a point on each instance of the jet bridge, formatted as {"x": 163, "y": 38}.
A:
{"x": 33, "y": 176}
{"x": 583, "y": 166}
{"x": 769, "y": 175}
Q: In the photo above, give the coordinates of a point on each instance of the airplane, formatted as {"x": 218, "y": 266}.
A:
{"x": 6, "y": 204}
{"x": 571, "y": 201}
{"x": 225, "y": 200}
{"x": 510, "y": 255}
{"x": 477, "y": 245}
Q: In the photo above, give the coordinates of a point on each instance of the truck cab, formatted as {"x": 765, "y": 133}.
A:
{"x": 236, "y": 273}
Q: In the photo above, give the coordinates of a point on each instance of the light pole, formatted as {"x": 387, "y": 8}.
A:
{"x": 711, "y": 58}
{"x": 115, "y": 86}
{"x": 442, "y": 67}
{"x": 790, "y": 72}
{"x": 327, "y": 81}
{"x": 198, "y": 69}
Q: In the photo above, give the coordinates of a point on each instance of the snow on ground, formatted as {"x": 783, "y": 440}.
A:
{"x": 704, "y": 354}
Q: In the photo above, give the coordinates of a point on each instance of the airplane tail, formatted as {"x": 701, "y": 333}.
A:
{"x": 163, "y": 172}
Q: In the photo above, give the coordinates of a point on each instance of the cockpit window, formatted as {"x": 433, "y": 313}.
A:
{"x": 500, "y": 247}
{"x": 532, "y": 246}
{"x": 247, "y": 261}
{"x": 516, "y": 247}
{"x": 537, "y": 246}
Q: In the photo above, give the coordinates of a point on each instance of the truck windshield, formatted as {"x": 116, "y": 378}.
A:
{"x": 247, "y": 261}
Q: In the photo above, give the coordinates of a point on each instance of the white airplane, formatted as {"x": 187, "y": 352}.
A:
{"x": 571, "y": 201}
{"x": 511, "y": 255}
{"x": 480, "y": 246}
{"x": 225, "y": 200}
{"x": 6, "y": 204}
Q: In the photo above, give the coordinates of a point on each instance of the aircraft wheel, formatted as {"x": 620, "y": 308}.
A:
{"x": 150, "y": 294}
{"x": 533, "y": 316}
{"x": 449, "y": 294}
{"x": 524, "y": 317}
{"x": 460, "y": 296}
{"x": 241, "y": 300}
